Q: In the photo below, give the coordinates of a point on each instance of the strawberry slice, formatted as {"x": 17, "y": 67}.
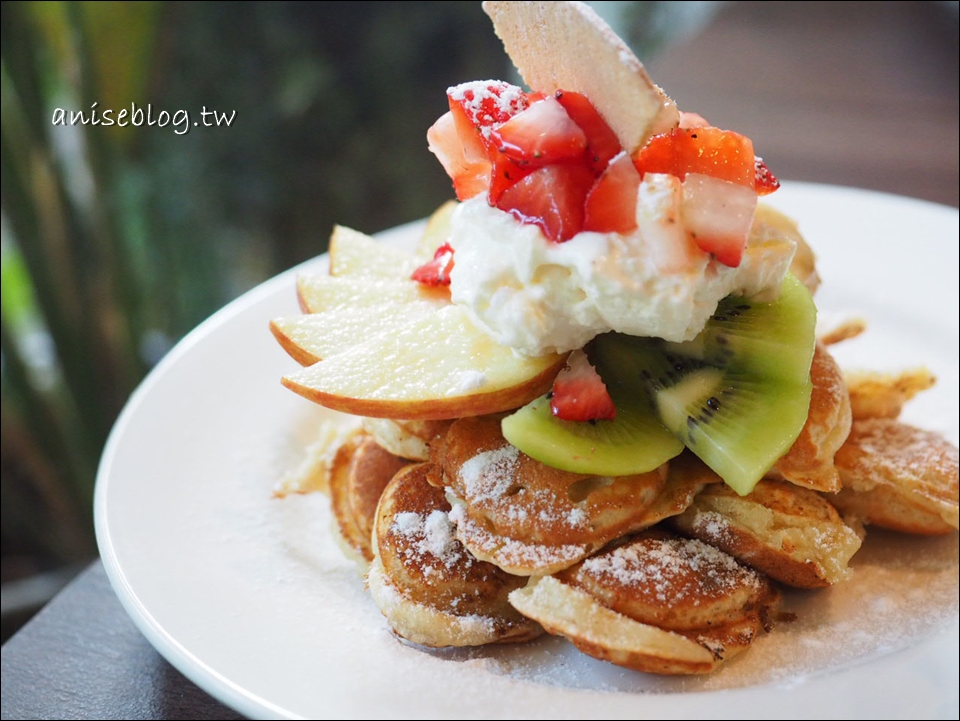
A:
{"x": 540, "y": 135}
{"x": 721, "y": 154}
{"x": 579, "y": 394}
{"x": 718, "y": 214}
{"x": 611, "y": 205}
{"x": 436, "y": 271}
{"x": 602, "y": 143}
{"x": 478, "y": 108}
{"x": 552, "y": 197}
{"x": 470, "y": 177}
{"x": 765, "y": 181}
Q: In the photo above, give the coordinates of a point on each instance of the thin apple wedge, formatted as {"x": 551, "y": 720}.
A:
{"x": 322, "y": 293}
{"x": 438, "y": 367}
{"x": 436, "y": 233}
{"x": 353, "y": 253}
{"x": 312, "y": 337}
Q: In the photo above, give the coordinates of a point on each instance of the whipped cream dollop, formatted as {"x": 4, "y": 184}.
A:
{"x": 537, "y": 297}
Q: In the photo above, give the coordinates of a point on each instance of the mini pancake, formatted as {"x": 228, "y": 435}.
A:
{"x": 427, "y": 585}
{"x": 361, "y": 469}
{"x": 899, "y": 477}
{"x": 809, "y": 462}
{"x": 655, "y": 603}
{"x": 770, "y": 224}
{"x": 531, "y": 519}
{"x": 792, "y": 534}
{"x": 407, "y": 439}
{"x": 883, "y": 395}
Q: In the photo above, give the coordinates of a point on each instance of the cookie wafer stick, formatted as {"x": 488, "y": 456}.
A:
{"x": 567, "y": 46}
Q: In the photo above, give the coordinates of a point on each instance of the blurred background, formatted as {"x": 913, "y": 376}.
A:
{"x": 116, "y": 241}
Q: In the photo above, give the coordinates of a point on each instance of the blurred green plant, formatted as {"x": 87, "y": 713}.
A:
{"x": 116, "y": 241}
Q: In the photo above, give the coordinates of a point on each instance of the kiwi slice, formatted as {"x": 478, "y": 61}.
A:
{"x": 771, "y": 339}
{"x": 634, "y": 442}
{"x": 736, "y": 421}
{"x": 739, "y": 393}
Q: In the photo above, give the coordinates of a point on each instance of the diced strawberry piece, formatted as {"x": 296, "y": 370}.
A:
{"x": 765, "y": 182}
{"x": 692, "y": 120}
{"x": 436, "y": 271}
{"x": 470, "y": 177}
{"x": 552, "y": 197}
{"x": 540, "y": 135}
{"x": 479, "y": 107}
{"x": 504, "y": 174}
{"x": 602, "y": 143}
{"x": 579, "y": 394}
{"x": 721, "y": 154}
{"x": 611, "y": 205}
{"x": 718, "y": 215}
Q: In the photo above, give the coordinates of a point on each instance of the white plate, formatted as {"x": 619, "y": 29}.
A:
{"x": 249, "y": 597}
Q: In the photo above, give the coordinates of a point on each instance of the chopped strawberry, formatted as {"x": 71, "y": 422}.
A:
{"x": 436, "y": 271}
{"x": 470, "y": 177}
{"x": 552, "y": 197}
{"x": 718, "y": 214}
{"x": 480, "y": 107}
{"x": 692, "y": 120}
{"x": 503, "y": 174}
{"x": 765, "y": 181}
{"x": 721, "y": 154}
{"x": 579, "y": 394}
{"x": 611, "y": 205}
{"x": 540, "y": 135}
{"x": 602, "y": 143}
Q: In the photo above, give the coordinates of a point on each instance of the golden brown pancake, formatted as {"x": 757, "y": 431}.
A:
{"x": 882, "y": 395}
{"x": 360, "y": 471}
{"x": 850, "y": 328}
{"x": 769, "y": 224}
{"x": 655, "y": 603}
{"x": 792, "y": 534}
{"x": 529, "y": 518}
{"x": 899, "y": 477}
{"x": 809, "y": 462}
{"x": 407, "y": 439}
{"x": 427, "y": 585}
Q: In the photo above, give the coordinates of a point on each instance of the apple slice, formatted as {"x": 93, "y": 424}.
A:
{"x": 566, "y": 46}
{"x": 321, "y": 293}
{"x": 312, "y": 337}
{"x": 353, "y": 253}
{"x": 437, "y": 232}
{"x": 437, "y": 367}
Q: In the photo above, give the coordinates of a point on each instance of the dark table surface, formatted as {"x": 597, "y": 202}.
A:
{"x": 858, "y": 94}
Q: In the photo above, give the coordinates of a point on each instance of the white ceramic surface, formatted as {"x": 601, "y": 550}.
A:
{"x": 249, "y": 597}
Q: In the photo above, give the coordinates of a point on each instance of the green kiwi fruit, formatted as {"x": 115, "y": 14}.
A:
{"x": 634, "y": 442}
{"x": 736, "y": 421}
{"x": 759, "y": 337}
{"x": 737, "y": 396}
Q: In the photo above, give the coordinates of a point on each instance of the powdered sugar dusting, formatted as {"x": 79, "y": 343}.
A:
{"x": 510, "y": 554}
{"x": 430, "y": 536}
{"x": 663, "y": 566}
{"x": 489, "y": 102}
{"x": 489, "y": 475}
